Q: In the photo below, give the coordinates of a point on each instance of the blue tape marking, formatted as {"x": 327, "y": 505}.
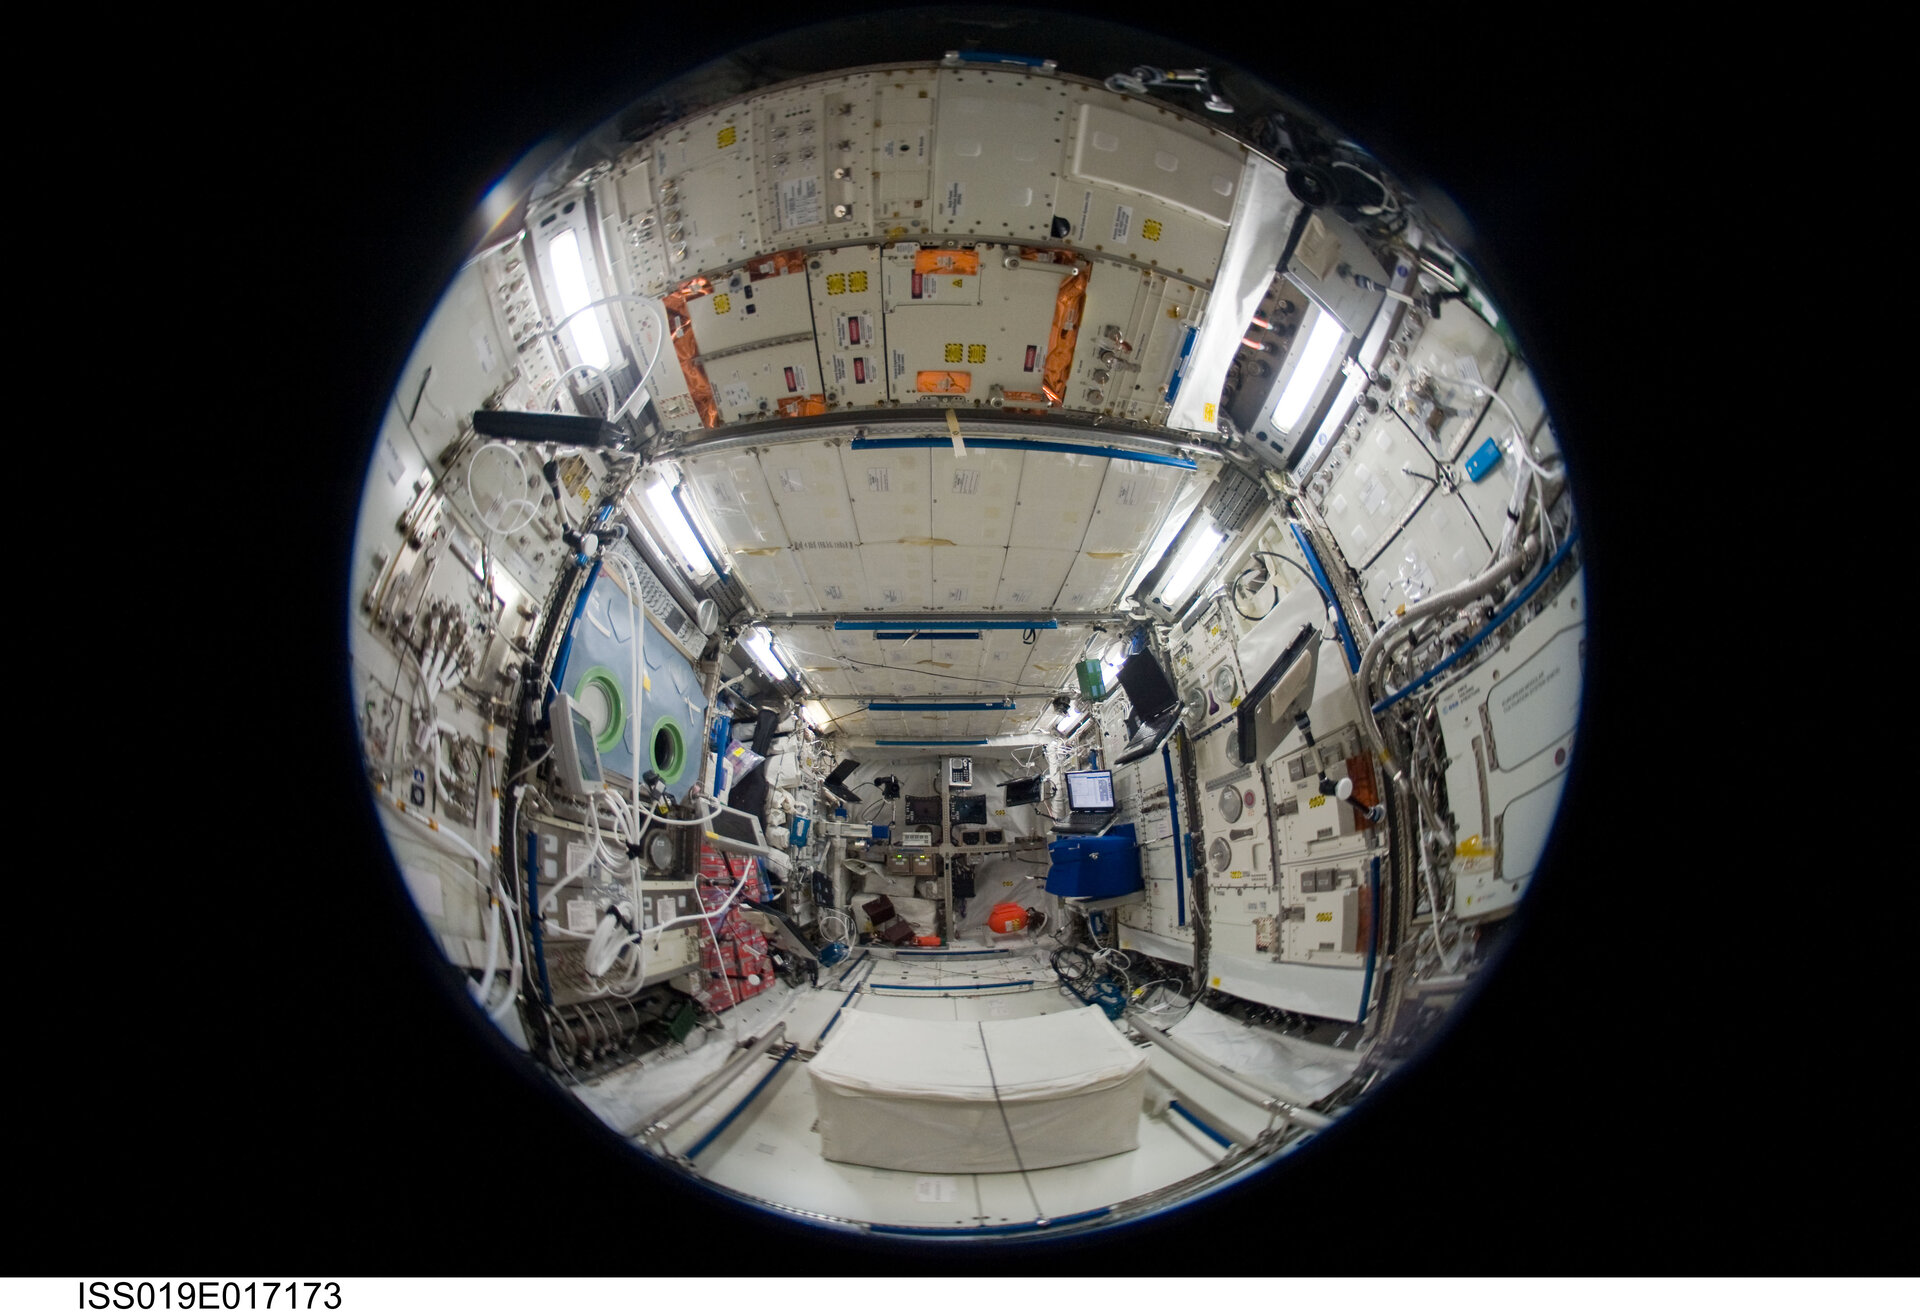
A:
{"x": 1030, "y": 445}
{"x": 1326, "y": 589}
{"x": 1211, "y": 1134}
{"x": 1006, "y": 706}
{"x": 739, "y": 1108}
{"x": 931, "y": 636}
{"x": 533, "y": 924}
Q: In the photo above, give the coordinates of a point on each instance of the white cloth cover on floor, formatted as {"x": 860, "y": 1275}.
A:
{"x": 915, "y": 1095}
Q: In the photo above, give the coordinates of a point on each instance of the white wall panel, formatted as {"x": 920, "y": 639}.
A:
{"x": 966, "y": 578}
{"x": 808, "y": 486}
{"x": 1095, "y": 580}
{"x": 730, "y": 492}
{"x": 838, "y": 577}
{"x": 903, "y": 145}
{"x": 974, "y": 496}
{"x": 1032, "y": 577}
{"x": 1057, "y": 496}
{"x": 998, "y": 147}
{"x": 708, "y": 166}
{"x": 891, "y": 491}
{"x": 845, "y": 285}
{"x": 1133, "y": 501}
{"x": 899, "y": 575}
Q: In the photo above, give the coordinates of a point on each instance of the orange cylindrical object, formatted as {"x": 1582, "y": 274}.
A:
{"x": 1007, "y": 917}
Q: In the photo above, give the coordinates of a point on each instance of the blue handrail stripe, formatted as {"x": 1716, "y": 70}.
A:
{"x": 1209, "y": 1132}
{"x": 1373, "y": 937}
{"x": 1326, "y": 588}
{"x": 1029, "y": 445}
{"x": 1006, "y": 706}
{"x": 929, "y": 743}
{"x": 737, "y": 1109}
{"x": 533, "y": 922}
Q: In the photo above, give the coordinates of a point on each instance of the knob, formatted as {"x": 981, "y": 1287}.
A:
{"x": 842, "y": 211}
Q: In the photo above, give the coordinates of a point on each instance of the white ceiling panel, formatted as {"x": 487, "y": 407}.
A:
{"x": 732, "y": 493}
{"x": 772, "y": 577}
{"x": 839, "y": 579}
{"x": 967, "y": 578}
{"x": 891, "y": 490}
{"x": 974, "y": 496}
{"x": 808, "y": 486}
{"x": 1057, "y": 495}
{"x": 1094, "y": 581}
{"x": 1031, "y": 577}
{"x": 899, "y": 575}
{"x": 1133, "y": 500}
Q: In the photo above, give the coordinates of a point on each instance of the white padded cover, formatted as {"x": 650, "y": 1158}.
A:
{"x": 915, "y": 1095}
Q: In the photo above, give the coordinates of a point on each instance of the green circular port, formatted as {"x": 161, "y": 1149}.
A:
{"x": 669, "y": 748}
{"x": 600, "y": 681}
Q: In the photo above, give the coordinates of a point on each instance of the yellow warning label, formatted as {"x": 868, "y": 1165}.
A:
{"x": 1473, "y": 847}
{"x": 836, "y": 284}
{"x": 727, "y": 137}
{"x": 1216, "y": 981}
{"x": 646, "y": 683}
{"x": 958, "y": 283}
{"x": 1207, "y": 411}
{"x": 722, "y": 304}
{"x": 1236, "y": 875}
{"x": 1151, "y": 230}
{"x": 857, "y": 280}
{"x": 1318, "y": 800}
{"x": 1323, "y": 917}
{"x": 953, "y": 353}
{"x": 976, "y": 353}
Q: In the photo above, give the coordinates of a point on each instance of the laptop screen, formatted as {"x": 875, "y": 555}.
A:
{"x": 1147, "y": 686}
{"x": 1090, "y": 791}
{"x": 837, "y": 782}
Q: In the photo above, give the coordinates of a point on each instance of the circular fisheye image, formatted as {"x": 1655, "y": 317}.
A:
{"x": 967, "y": 643}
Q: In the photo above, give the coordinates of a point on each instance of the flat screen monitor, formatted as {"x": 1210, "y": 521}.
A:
{"x": 576, "y": 757}
{"x": 968, "y": 809}
{"x": 1147, "y": 686}
{"x": 1022, "y": 792}
{"x": 1090, "y": 791}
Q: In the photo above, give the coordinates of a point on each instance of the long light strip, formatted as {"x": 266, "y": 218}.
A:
{"x": 760, "y": 644}
{"x": 1199, "y": 551}
{"x": 1321, "y": 343}
{"x": 1151, "y": 557}
{"x": 667, "y": 513}
{"x": 571, "y": 277}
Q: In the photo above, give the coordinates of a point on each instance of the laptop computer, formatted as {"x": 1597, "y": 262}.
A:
{"x": 1154, "y": 701}
{"x": 1090, "y": 803}
{"x": 837, "y": 782}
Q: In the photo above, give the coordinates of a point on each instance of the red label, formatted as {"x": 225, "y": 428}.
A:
{"x": 859, "y": 369}
{"x": 916, "y": 285}
{"x": 1032, "y": 352}
{"x": 853, "y": 330}
{"x": 791, "y": 385}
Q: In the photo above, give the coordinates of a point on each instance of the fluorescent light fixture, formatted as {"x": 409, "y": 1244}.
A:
{"x": 816, "y": 714}
{"x": 571, "y": 278}
{"x": 1069, "y": 721}
{"x": 1337, "y": 413}
{"x": 1151, "y": 557}
{"x": 1193, "y": 560}
{"x": 760, "y": 644}
{"x": 1312, "y": 363}
{"x": 667, "y": 513}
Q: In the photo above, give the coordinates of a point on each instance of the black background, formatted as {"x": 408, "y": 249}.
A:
{"x": 303, "y": 1086}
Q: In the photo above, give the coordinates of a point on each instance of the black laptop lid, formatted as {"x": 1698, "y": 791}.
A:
{"x": 1147, "y": 686}
{"x": 837, "y": 782}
